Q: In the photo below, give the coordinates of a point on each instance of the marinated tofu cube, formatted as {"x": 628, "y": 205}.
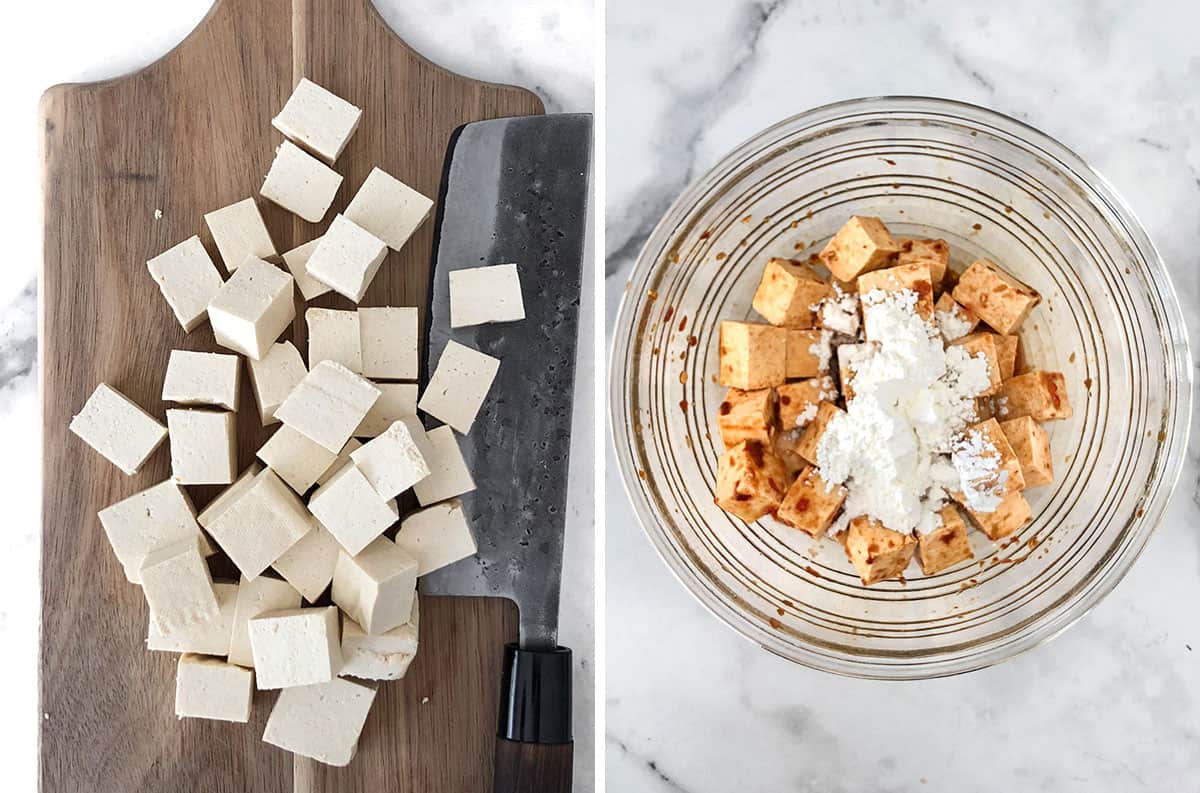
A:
{"x": 484, "y": 295}
{"x": 449, "y": 476}
{"x": 935, "y": 254}
{"x": 334, "y": 336}
{"x": 946, "y": 545}
{"x": 380, "y": 656}
{"x": 994, "y": 296}
{"x": 877, "y": 552}
{"x": 787, "y": 293}
{"x": 1007, "y": 348}
{"x": 300, "y": 183}
{"x": 985, "y": 408}
{"x": 296, "y": 261}
{"x": 347, "y": 258}
{"x": 751, "y": 481}
{"x": 986, "y": 462}
{"x": 1012, "y": 513}
{"x": 274, "y": 377}
{"x": 784, "y": 445}
{"x": 377, "y": 586}
{"x": 1031, "y": 445}
{"x": 753, "y": 356}
{"x": 1040, "y": 395}
{"x": 746, "y": 415}
{"x": 318, "y": 119}
{"x": 240, "y": 233}
{"x": 146, "y": 521}
{"x": 201, "y": 378}
{"x": 899, "y": 280}
{"x": 392, "y": 461}
{"x": 116, "y": 427}
{"x": 209, "y": 688}
{"x": 203, "y": 446}
{"x": 211, "y": 636}
{"x": 388, "y": 208}
{"x": 178, "y": 586}
{"x": 811, "y": 504}
{"x": 800, "y": 401}
{"x": 983, "y": 344}
{"x": 459, "y": 385}
{"x": 862, "y": 245}
{"x": 257, "y": 597}
{"x": 437, "y": 536}
{"x": 253, "y": 307}
{"x": 396, "y": 401}
{"x": 321, "y": 722}
{"x": 188, "y": 280}
{"x": 308, "y": 565}
{"x": 389, "y": 342}
{"x": 350, "y": 508}
{"x": 811, "y": 439}
{"x": 262, "y": 523}
{"x": 850, "y": 357}
{"x": 328, "y": 405}
{"x": 296, "y": 459}
{"x": 953, "y": 320}
{"x": 296, "y": 647}
{"x": 808, "y": 353}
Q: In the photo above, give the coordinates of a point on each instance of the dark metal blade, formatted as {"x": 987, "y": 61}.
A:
{"x": 515, "y": 190}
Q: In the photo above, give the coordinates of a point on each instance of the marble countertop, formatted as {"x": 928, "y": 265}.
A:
{"x": 545, "y": 45}
{"x": 1111, "y": 705}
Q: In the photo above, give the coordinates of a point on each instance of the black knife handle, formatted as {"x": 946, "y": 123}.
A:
{"x": 534, "y": 748}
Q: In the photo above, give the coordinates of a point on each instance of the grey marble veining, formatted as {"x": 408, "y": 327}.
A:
{"x": 1111, "y": 705}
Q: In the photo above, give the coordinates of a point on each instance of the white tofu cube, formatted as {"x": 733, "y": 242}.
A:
{"x": 459, "y": 385}
{"x": 391, "y": 462}
{"x": 113, "y": 425}
{"x": 347, "y": 258}
{"x": 296, "y": 459}
{"x": 333, "y": 336}
{"x": 157, "y": 516}
{"x": 203, "y": 446}
{"x": 207, "y": 637}
{"x": 178, "y": 586}
{"x": 296, "y": 260}
{"x": 436, "y": 536}
{"x": 328, "y": 404}
{"x": 274, "y": 377}
{"x": 321, "y": 722}
{"x": 253, "y": 307}
{"x": 388, "y": 208}
{"x": 209, "y": 688}
{"x": 318, "y": 119}
{"x": 388, "y": 338}
{"x": 448, "y": 474}
{"x": 261, "y": 524}
{"x": 201, "y": 378}
{"x": 308, "y": 565}
{"x": 396, "y": 401}
{"x": 296, "y": 647}
{"x": 300, "y": 183}
{"x": 342, "y": 460}
{"x": 350, "y": 508}
{"x": 240, "y": 233}
{"x": 380, "y": 656}
{"x": 228, "y": 495}
{"x": 188, "y": 280}
{"x": 254, "y": 598}
{"x": 479, "y": 295}
{"x": 376, "y": 587}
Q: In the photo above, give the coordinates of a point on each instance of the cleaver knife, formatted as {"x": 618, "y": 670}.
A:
{"x": 515, "y": 190}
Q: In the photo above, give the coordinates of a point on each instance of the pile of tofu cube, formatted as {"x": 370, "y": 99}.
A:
{"x": 789, "y": 376}
{"x": 315, "y": 512}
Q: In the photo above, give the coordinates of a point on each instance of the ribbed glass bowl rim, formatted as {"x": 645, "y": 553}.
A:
{"x": 1178, "y": 417}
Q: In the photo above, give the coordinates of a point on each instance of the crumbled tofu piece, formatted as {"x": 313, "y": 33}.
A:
{"x": 201, "y": 378}
{"x": 178, "y": 586}
{"x": 253, "y": 307}
{"x": 388, "y": 208}
{"x": 388, "y": 337}
{"x": 300, "y": 183}
{"x": 296, "y": 261}
{"x": 459, "y": 385}
{"x": 240, "y": 233}
{"x": 376, "y": 587}
{"x": 391, "y": 462}
{"x": 787, "y": 293}
{"x": 1007, "y": 348}
{"x": 953, "y": 320}
{"x": 228, "y": 495}
{"x": 188, "y": 280}
{"x": 347, "y": 258}
{"x": 751, "y": 481}
{"x": 297, "y": 460}
{"x": 862, "y": 245}
{"x": 935, "y": 254}
{"x": 436, "y": 536}
{"x": 209, "y": 688}
{"x": 1031, "y": 445}
{"x": 808, "y": 353}
{"x": 333, "y": 336}
{"x": 203, "y": 446}
{"x": 946, "y": 545}
{"x": 382, "y": 655}
{"x": 850, "y": 357}
{"x": 994, "y": 296}
{"x": 328, "y": 404}
{"x": 800, "y": 402}
{"x": 1040, "y": 395}
{"x": 983, "y": 343}
{"x": 1012, "y": 513}
{"x": 746, "y": 416}
{"x": 350, "y": 508}
{"x": 482, "y": 295}
{"x": 396, "y": 401}
{"x": 343, "y": 459}
{"x": 155, "y": 517}
{"x": 207, "y": 637}
{"x": 811, "y": 504}
{"x": 308, "y": 565}
{"x": 753, "y": 356}
{"x": 877, "y": 552}
{"x": 811, "y": 439}
{"x": 448, "y": 473}
{"x": 274, "y": 377}
{"x": 261, "y": 524}
{"x": 318, "y": 119}
{"x": 296, "y": 647}
{"x": 901, "y": 278}
{"x": 117, "y": 428}
{"x": 256, "y": 597}
{"x": 321, "y": 722}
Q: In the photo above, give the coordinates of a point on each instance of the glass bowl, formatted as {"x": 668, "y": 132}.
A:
{"x": 990, "y": 186}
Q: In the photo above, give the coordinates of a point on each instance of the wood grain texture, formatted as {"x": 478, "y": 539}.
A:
{"x": 521, "y": 767}
{"x": 186, "y": 135}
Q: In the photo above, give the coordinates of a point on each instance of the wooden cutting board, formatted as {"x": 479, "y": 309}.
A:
{"x": 188, "y": 134}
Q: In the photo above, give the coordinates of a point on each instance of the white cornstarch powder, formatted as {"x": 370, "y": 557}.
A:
{"x": 977, "y": 462}
{"x": 808, "y": 414}
{"x": 839, "y": 312}
{"x": 821, "y": 349}
{"x": 912, "y": 399}
{"x": 953, "y": 326}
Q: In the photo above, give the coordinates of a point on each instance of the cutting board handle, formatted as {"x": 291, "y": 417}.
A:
{"x": 533, "y": 747}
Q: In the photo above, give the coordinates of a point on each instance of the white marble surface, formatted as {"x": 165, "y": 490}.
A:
{"x": 1111, "y": 705}
{"x": 545, "y": 45}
